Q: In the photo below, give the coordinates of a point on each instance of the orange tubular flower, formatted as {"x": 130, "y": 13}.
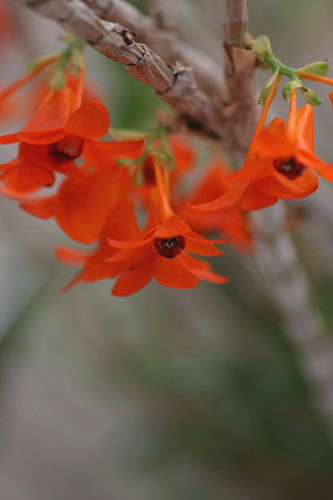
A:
{"x": 160, "y": 251}
{"x": 63, "y": 128}
{"x": 281, "y": 161}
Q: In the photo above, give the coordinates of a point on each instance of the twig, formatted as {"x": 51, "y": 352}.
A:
{"x": 165, "y": 43}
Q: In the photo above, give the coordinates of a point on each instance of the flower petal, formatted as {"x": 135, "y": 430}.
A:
{"x": 32, "y": 175}
{"x": 52, "y": 114}
{"x": 202, "y": 270}
{"x": 201, "y": 247}
{"x": 280, "y": 186}
{"x": 90, "y": 120}
{"x": 43, "y": 208}
{"x": 229, "y": 199}
{"x": 255, "y": 199}
{"x": 133, "y": 280}
{"x": 326, "y": 171}
{"x": 83, "y": 204}
{"x": 129, "y": 244}
{"x": 173, "y": 273}
{"x": 305, "y": 128}
{"x": 71, "y": 256}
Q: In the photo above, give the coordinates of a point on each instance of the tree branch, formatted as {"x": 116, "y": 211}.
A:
{"x": 240, "y": 68}
{"x": 175, "y": 85}
{"x": 165, "y": 43}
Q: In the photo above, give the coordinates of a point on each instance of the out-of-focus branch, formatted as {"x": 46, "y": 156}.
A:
{"x": 175, "y": 85}
{"x": 240, "y": 67}
{"x": 289, "y": 288}
{"x": 234, "y": 21}
{"x": 165, "y": 43}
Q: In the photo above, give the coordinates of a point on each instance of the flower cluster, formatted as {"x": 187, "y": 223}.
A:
{"x": 125, "y": 195}
{"x": 101, "y": 189}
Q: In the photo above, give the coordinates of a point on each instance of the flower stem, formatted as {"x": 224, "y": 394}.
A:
{"x": 266, "y": 106}
{"x": 163, "y": 200}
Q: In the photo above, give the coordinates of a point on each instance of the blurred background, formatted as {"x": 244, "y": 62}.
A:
{"x": 167, "y": 394}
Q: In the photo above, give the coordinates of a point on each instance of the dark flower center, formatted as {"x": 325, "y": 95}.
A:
{"x": 68, "y": 149}
{"x": 148, "y": 171}
{"x": 290, "y": 167}
{"x": 169, "y": 247}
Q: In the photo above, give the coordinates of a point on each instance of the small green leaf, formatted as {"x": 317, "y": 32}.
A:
{"x": 316, "y": 68}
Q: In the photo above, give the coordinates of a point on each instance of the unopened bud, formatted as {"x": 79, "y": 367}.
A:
{"x": 311, "y": 96}
{"x": 290, "y": 87}
{"x": 262, "y": 45}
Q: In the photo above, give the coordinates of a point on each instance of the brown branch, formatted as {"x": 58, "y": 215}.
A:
{"x": 240, "y": 68}
{"x": 234, "y": 21}
{"x": 164, "y": 42}
{"x": 175, "y": 85}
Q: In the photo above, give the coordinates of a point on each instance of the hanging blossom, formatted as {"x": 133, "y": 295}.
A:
{"x": 162, "y": 250}
{"x": 63, "y": 129}
{"x": 280, "y": 163}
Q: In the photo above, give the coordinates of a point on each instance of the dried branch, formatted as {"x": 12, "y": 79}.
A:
{"x": 234, "y": 21}
{"x": 165, "y": 43}
{"x": 175, "y": 85}
{"x": 240, "y": 68}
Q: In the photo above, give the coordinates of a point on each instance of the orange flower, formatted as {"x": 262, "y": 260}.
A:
{"x": 63, "y": 128}
{"x": 82, "y": 204}
{"x": 281, "y": 161}
{"x": 162, "y": 250}
{"x": 230, "y": 222}
{"x": 135, "y": 256}
{"x": 120, "y": 223}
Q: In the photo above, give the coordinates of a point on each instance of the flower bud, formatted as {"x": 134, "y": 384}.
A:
{"x": 262, "y": 46}
{"x": 290, "y": 87}
{"x": 311, "y": 96}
